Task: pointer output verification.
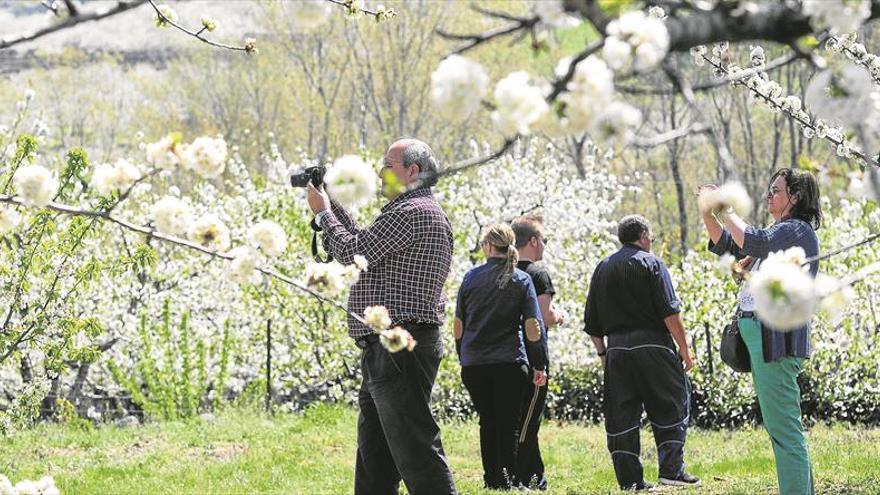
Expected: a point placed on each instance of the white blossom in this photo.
(326, 278)
(591, 85)
(168, 13)
(206, 156)
(269, 237)
(35, 184)
(360, 262)
(697, 52)
(171, 215)
(209, 23)
(519, 104)
(306, 15)
(647, 39)
(243, 265)
(458, 85)
(841, 16)
(210, 232)
(119, 176)
(397, 339)
(785, 296)
(377, 318)
(731, 194)
(617, 54)
(9, 219)
(351, 181)
(757, 56)
(29, 94)
(844, 97)
(617, 122)
(164, 153)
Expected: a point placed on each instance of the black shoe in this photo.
(638, 487)
(683, 479)
(539, 484)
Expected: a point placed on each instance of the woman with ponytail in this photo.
(495, 299)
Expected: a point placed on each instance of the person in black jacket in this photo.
(633, 305)
(530, 243)
(494, 300)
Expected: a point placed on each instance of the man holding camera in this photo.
(409, 250)
(633, 304)
(530, 243)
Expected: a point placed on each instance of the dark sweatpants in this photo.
(643, 371)
(397, 434)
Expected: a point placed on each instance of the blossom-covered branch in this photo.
(355, 7)
(167, 17)
(777, 63)
(74, 19)
(771, 93)
(154, 234)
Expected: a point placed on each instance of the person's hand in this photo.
(686, 360)
(602, 360)
(539, 378)
(318, 199)
(560, 316)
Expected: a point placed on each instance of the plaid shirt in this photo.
(409, 250)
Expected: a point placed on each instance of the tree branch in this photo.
(150, 233)
(475, 40)
(660, 139)
(249, 48)
(725, 157)
(72, 21)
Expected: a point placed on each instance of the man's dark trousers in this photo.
(529, 464)
(643, 370)
(397, 434)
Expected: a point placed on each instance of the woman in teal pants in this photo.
(776, 357)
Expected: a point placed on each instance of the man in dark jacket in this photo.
(632, 304)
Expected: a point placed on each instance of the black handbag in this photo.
(734, 352)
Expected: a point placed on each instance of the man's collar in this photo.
(415, 193)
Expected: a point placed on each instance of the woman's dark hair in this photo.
(803, 190)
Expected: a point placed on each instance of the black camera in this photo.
(315, 175)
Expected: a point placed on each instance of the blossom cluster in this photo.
(786, 296)
(205, 156)
(731, 194)
(118, 176)
(636, 41)
(351, 181)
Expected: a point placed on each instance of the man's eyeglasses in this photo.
(544, 240)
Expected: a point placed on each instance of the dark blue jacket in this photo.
(491, 317)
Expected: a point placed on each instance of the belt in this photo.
(366, 341)
(746, 314)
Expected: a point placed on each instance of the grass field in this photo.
(241, 452)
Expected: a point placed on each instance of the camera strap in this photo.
(315, 254)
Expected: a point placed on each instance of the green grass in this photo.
(243, 452)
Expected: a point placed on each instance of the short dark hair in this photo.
(526, 227)
(631, 227)
(803, 189)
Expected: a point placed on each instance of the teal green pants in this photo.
(780, 401)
